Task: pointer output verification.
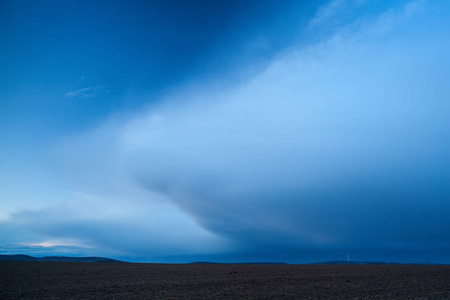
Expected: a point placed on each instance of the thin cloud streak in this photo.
(87, 92)
(326, 12)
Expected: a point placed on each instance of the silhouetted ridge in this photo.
(345, 262)
(239, 263)
(21, 257)
(18, 257)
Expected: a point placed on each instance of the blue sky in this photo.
(175, 131)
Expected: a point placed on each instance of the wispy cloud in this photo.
(87, 92)
(45, 249)
(334, 12)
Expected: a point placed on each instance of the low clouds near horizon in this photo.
(339, 144)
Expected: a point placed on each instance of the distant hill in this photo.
(18, 257)
(21, 257)
(345, 262)
(237, 263)
(336, 262)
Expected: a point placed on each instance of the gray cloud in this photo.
(343, 144)
(104, 227)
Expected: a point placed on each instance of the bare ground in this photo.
(78, 280)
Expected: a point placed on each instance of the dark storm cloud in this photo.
(340, 144)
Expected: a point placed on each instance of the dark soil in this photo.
(78, 280)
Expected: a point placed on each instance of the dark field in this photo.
(78, 280)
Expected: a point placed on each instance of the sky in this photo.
(229, 131)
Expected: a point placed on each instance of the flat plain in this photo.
(86, 280)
